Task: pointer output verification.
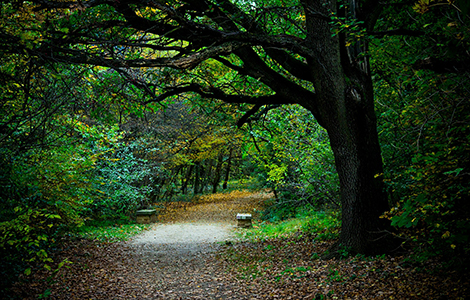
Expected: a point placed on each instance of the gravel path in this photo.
(186, 233)
(177, 260)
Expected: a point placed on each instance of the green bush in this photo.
(424, 129)
(120, 176)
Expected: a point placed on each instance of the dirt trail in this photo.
(176, 258)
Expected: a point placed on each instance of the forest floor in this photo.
(193, 253)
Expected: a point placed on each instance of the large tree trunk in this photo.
(345, 107)
(359, 166)
(354, 141)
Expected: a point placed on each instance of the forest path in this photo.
(179, 258)
(175, 259)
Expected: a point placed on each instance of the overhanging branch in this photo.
(255, 114)
(216, 93)
(248, 114)
(188, 61)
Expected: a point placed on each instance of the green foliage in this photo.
(119, 180)
(323, 224)
(64, 153)
(110, 230)
(25, 242)
(424, 130)
(296, 161)
(49, 153)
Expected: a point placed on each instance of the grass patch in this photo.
(250, 184)
(324, 225)
(110, 231)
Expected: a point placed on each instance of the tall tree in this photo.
(257, 54)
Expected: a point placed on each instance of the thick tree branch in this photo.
(210, 40)
(248, 114)
(43, 4)
(254, 114)
(185, 62)
(292, 65)
(201, 35)
(216, 93)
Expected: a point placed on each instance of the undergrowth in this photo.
(324, 225)
(110, 230)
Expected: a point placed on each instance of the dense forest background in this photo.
(80, 143)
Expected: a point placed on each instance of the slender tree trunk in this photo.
(216, 177)
(196, 178)
(172, 182)
(206, 175)
(227, 171)
(184, 186)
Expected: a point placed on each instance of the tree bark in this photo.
(345, 108)
(197, 179)
(184, 186)
(359, 166)
(218, 168)
(227, 171)
(206, 176)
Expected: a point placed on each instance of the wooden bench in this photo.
(146, 216)
(244, 220)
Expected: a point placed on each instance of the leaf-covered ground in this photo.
(282, 268)
(291, 269)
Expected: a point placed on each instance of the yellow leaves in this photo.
(221, 206)
(446, 235)
(276, 173)
(422, 6)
